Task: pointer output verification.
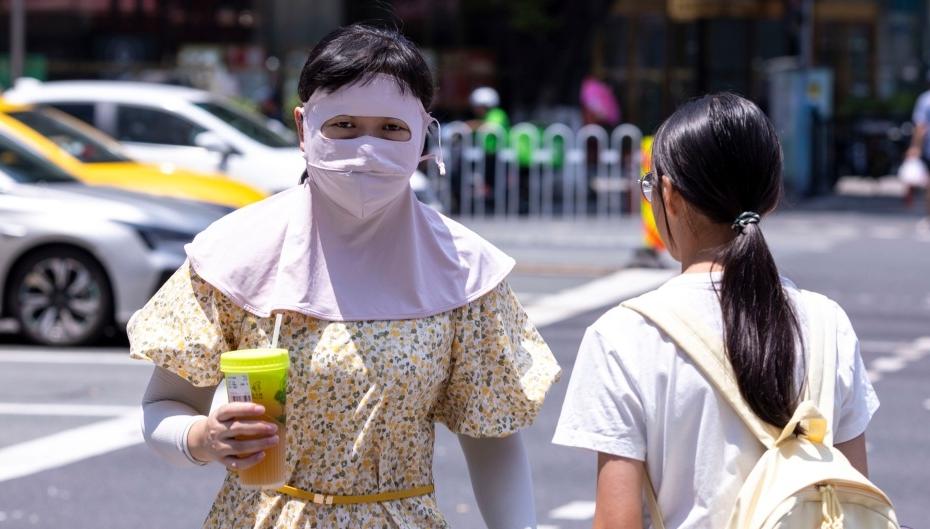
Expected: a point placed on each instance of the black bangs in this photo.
(358, 52)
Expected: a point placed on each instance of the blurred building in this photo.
(871, 55)
(241, 48)
(654, 53)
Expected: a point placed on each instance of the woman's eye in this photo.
(344, 124)
(393, 127)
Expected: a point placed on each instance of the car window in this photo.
(149, 125)
(26, 167)
(85, 112)
(67, 134)
(251, 125)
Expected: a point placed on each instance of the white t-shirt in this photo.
(634, 394)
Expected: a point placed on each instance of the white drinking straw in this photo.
(277, 331)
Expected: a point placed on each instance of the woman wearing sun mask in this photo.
(395, 318)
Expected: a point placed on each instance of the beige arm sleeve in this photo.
(170, 407)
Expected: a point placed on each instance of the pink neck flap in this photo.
(352, 243)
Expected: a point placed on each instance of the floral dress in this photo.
(362, 398)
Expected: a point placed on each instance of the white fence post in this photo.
(556, 130)
(635, 162)
(584, 182)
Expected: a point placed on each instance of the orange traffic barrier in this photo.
(651, 240)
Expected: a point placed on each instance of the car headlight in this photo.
(155, 237)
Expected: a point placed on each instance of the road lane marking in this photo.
(602, 292)
(73, 445)
(888, 364)
(70, 446)
(887, 232)
(65, 410)
(576, 510)
(881, 346)
(899, 358)
(25, 355)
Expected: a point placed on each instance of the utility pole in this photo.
(806, 34)
(17, 39)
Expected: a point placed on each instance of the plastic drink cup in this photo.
(260, 376)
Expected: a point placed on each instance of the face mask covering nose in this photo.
(364, 175)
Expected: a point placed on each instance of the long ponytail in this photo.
(722, 154)
(760, 327)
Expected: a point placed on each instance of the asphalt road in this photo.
(877, 266)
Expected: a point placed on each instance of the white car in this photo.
(75, 259)
(190, 128)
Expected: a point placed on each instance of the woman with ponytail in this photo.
(637, 399)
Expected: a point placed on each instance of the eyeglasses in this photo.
(647, 183)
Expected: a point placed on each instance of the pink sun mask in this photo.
(364, 174)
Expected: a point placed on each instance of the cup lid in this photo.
(245, 360)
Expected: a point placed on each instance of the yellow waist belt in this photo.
(328, 499)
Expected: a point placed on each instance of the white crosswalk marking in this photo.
(900, 357)
(576, 510)
(68, 447)
(602, 292)
(64, 410)
(37, 355)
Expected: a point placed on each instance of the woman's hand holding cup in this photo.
(233, 435)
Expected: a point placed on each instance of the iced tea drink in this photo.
(260, 376)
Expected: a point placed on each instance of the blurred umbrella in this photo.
(598, 98)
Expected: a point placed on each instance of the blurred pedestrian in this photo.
(598, 104)
(486, 112)
(395, 318)
(912, 175)
(485, 105)
(637, 399)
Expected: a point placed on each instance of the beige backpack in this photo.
(800, 482)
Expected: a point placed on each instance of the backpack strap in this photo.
(821, 373)
(707, 352)
(654, 512)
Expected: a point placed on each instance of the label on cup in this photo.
(238, 389)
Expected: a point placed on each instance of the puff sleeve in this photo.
(501, 368)
(185, 328)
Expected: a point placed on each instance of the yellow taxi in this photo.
(96, 159)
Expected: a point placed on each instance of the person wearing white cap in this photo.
(485, 105)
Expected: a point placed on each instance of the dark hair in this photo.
(722, 155)
(356, 53)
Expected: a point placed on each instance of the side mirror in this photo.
(211, 142)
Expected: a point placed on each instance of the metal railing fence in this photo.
(538, 172)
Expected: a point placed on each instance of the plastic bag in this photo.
(913, 172)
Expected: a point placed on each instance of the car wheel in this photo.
(60, 296)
